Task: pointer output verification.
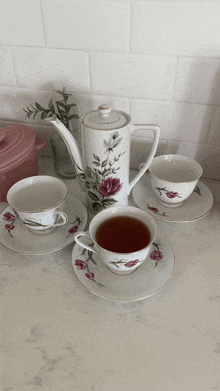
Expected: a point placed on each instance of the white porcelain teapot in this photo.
(103, 165)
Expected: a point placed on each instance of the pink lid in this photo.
(15, 142)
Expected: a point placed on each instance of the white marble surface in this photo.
(58, 336)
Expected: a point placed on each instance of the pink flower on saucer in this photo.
(9, 227)
(90, 276)
(73, 229)
(156, 255)
(172, 194)
(155, 210)
(8, 216)
(81, 265)
(132, 263)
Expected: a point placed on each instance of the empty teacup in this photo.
(173, 178)
(121, 236)
(39, 202)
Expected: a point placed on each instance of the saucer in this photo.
(16, 236)
(198, 204)
(145, 281)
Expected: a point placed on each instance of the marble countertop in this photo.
(56, 335)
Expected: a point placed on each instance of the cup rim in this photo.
(113, 212)
(34, 179)
(162, 158)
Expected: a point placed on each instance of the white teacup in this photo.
(121, 252)
(173, 178)
(39, 202)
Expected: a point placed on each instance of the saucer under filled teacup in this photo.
(121, 236)
(173, 178)
(39, 201)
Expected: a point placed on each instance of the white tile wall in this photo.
(157, 60)
(86, 25)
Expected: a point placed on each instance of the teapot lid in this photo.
(15, 142)
(105, 119)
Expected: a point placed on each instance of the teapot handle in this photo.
(144, 167)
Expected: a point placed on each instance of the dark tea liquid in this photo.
(123, 234)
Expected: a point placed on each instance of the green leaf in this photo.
(81, 176)
(96, 157)
(93, 196)
(73, 116)
(108, 201)
(35, 114)
(96, 163)
(39, 107)
(43, 115)
(58, 102)
(97, 206)
(51, 106)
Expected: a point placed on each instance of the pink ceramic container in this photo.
(18, 155)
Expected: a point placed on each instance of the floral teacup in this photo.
(173, 178)
(120, 262)
(39, 201)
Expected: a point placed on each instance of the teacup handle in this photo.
(82, 233)
(144, 167)
(63, 216)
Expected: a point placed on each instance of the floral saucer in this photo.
(15, 235)
(146, 280)
(193, 208)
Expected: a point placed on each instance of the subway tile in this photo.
(130, 75)
(7, 74)
(178, 121)
(22, 23)
(180, 28)
(205, 154)
(51, 69)
(198, 80)
(214, 130)
(83, 25)
(140, 149)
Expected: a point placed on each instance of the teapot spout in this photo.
(70, 142)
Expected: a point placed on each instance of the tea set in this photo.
(42, 217)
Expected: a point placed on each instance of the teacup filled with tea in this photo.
(121, 236)
(39, 202)
(173, 178)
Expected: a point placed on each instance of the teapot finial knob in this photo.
(104, 110)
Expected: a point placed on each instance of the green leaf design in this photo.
(81, 176)
(93, 196)
(96, 157)
(197, 190)
(108, 201)
(96, 163)
(97, 206)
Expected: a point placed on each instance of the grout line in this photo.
(42, 23)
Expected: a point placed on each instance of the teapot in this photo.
(103, 164)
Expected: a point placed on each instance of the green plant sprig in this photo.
(60, 108)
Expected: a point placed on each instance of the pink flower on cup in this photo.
(90, 276)
(9, 227)
(132, 263)
(81, 265)
(73, 229)
(155, 210)
(8, 216)
(172, 194)
(110, 186)
(156, 255)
